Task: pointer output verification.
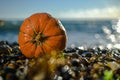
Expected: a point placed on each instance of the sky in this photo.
(20, 9)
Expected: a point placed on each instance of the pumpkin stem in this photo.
(38, 37)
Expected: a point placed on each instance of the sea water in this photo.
(79, 32)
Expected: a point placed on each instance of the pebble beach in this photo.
(71, 64)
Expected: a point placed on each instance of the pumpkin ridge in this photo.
(41, 45)
(46, 26)
(24, 47)
(35, 49)
(27, 42)
(25, 33)
(32, 26)
(56, 35)
(53, 28)
(49, 45)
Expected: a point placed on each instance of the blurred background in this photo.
(87, 22)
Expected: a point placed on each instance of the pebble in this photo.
(78, 64)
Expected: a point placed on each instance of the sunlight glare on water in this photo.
(117, 27)
(106, 30)
(113, 35)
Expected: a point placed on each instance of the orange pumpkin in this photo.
(41, 33)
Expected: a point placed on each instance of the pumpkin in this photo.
(41, 33)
